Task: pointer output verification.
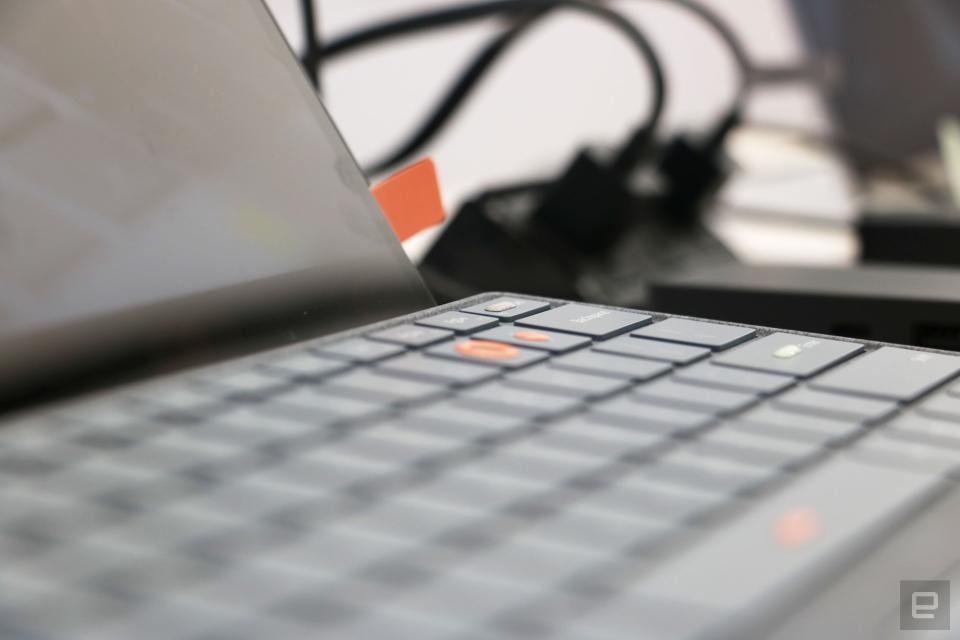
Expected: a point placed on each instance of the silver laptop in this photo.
(204, 437)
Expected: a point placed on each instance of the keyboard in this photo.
(500, 467)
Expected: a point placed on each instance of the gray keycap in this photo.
(756, 448)
(654, 500)
(417, 366)
(602, 364)
(501, 397)
(913, 426)
(954, 389)
(790, 354)
(695, 332)
(595, 531)
(896, 449)
(709, 472)
(652, 350)
(314, 407)
(375, 387)
(893, 373)
(825, 517)
(570, 383)
(580, 434)
(798, 426)
(446, 417)
(359, 350)
(512, 358)
(508, 308)
(594, 322)
(711, 375)
(462, 323)
(534, 339)
(685, 396)
(834, 405)
(943, 406)
(304, 365)
(410, 335)
(630, 411)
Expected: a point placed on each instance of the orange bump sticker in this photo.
(797, 527)
(531, 336)
(486, 350)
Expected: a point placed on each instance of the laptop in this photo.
(232, 411)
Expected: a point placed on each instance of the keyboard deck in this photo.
(501, 467)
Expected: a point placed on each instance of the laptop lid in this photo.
(169, 178)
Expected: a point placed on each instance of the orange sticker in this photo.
(531, 336)
(486, 350)
(797, 527)
(410, 199)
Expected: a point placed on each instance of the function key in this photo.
(508, 308)
(893, 373)
(359, 350)
(593, 322)
(543, 340)
(695, 332)
(652, 350)
(411, 336)
(790, 354)
(462, 323)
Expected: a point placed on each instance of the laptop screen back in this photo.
(156, 151)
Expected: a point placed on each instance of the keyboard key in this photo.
(314, 407)
(375, 387)
(545, 340)
(630, 411)
(896, 449)
(776, 423)
(698, 333)
(709, 473)
(462, 323)
(920, 428)
(596, 531)
(636, 493)
(834, 405)
(359, 350)
(508, 308)
(942, 406)
(685, 396)
(826, 517)
(711, 375)
(490, 353)
(582, 435)
(417, 366)
(790, 354)
(594, 322)
(652, 350)
(410, 335)
(304, 366)
(892, 373)
(503, 398)
(453, 420)
(552, 380)
(756, 448)
(613, 366)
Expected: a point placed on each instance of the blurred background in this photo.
(841, 141)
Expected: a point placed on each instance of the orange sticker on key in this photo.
(486, 350)
(531, 336)
(797, 527)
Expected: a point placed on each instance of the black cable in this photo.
(471, 12)
(310, 58)
(473, 73)
(455, 96)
